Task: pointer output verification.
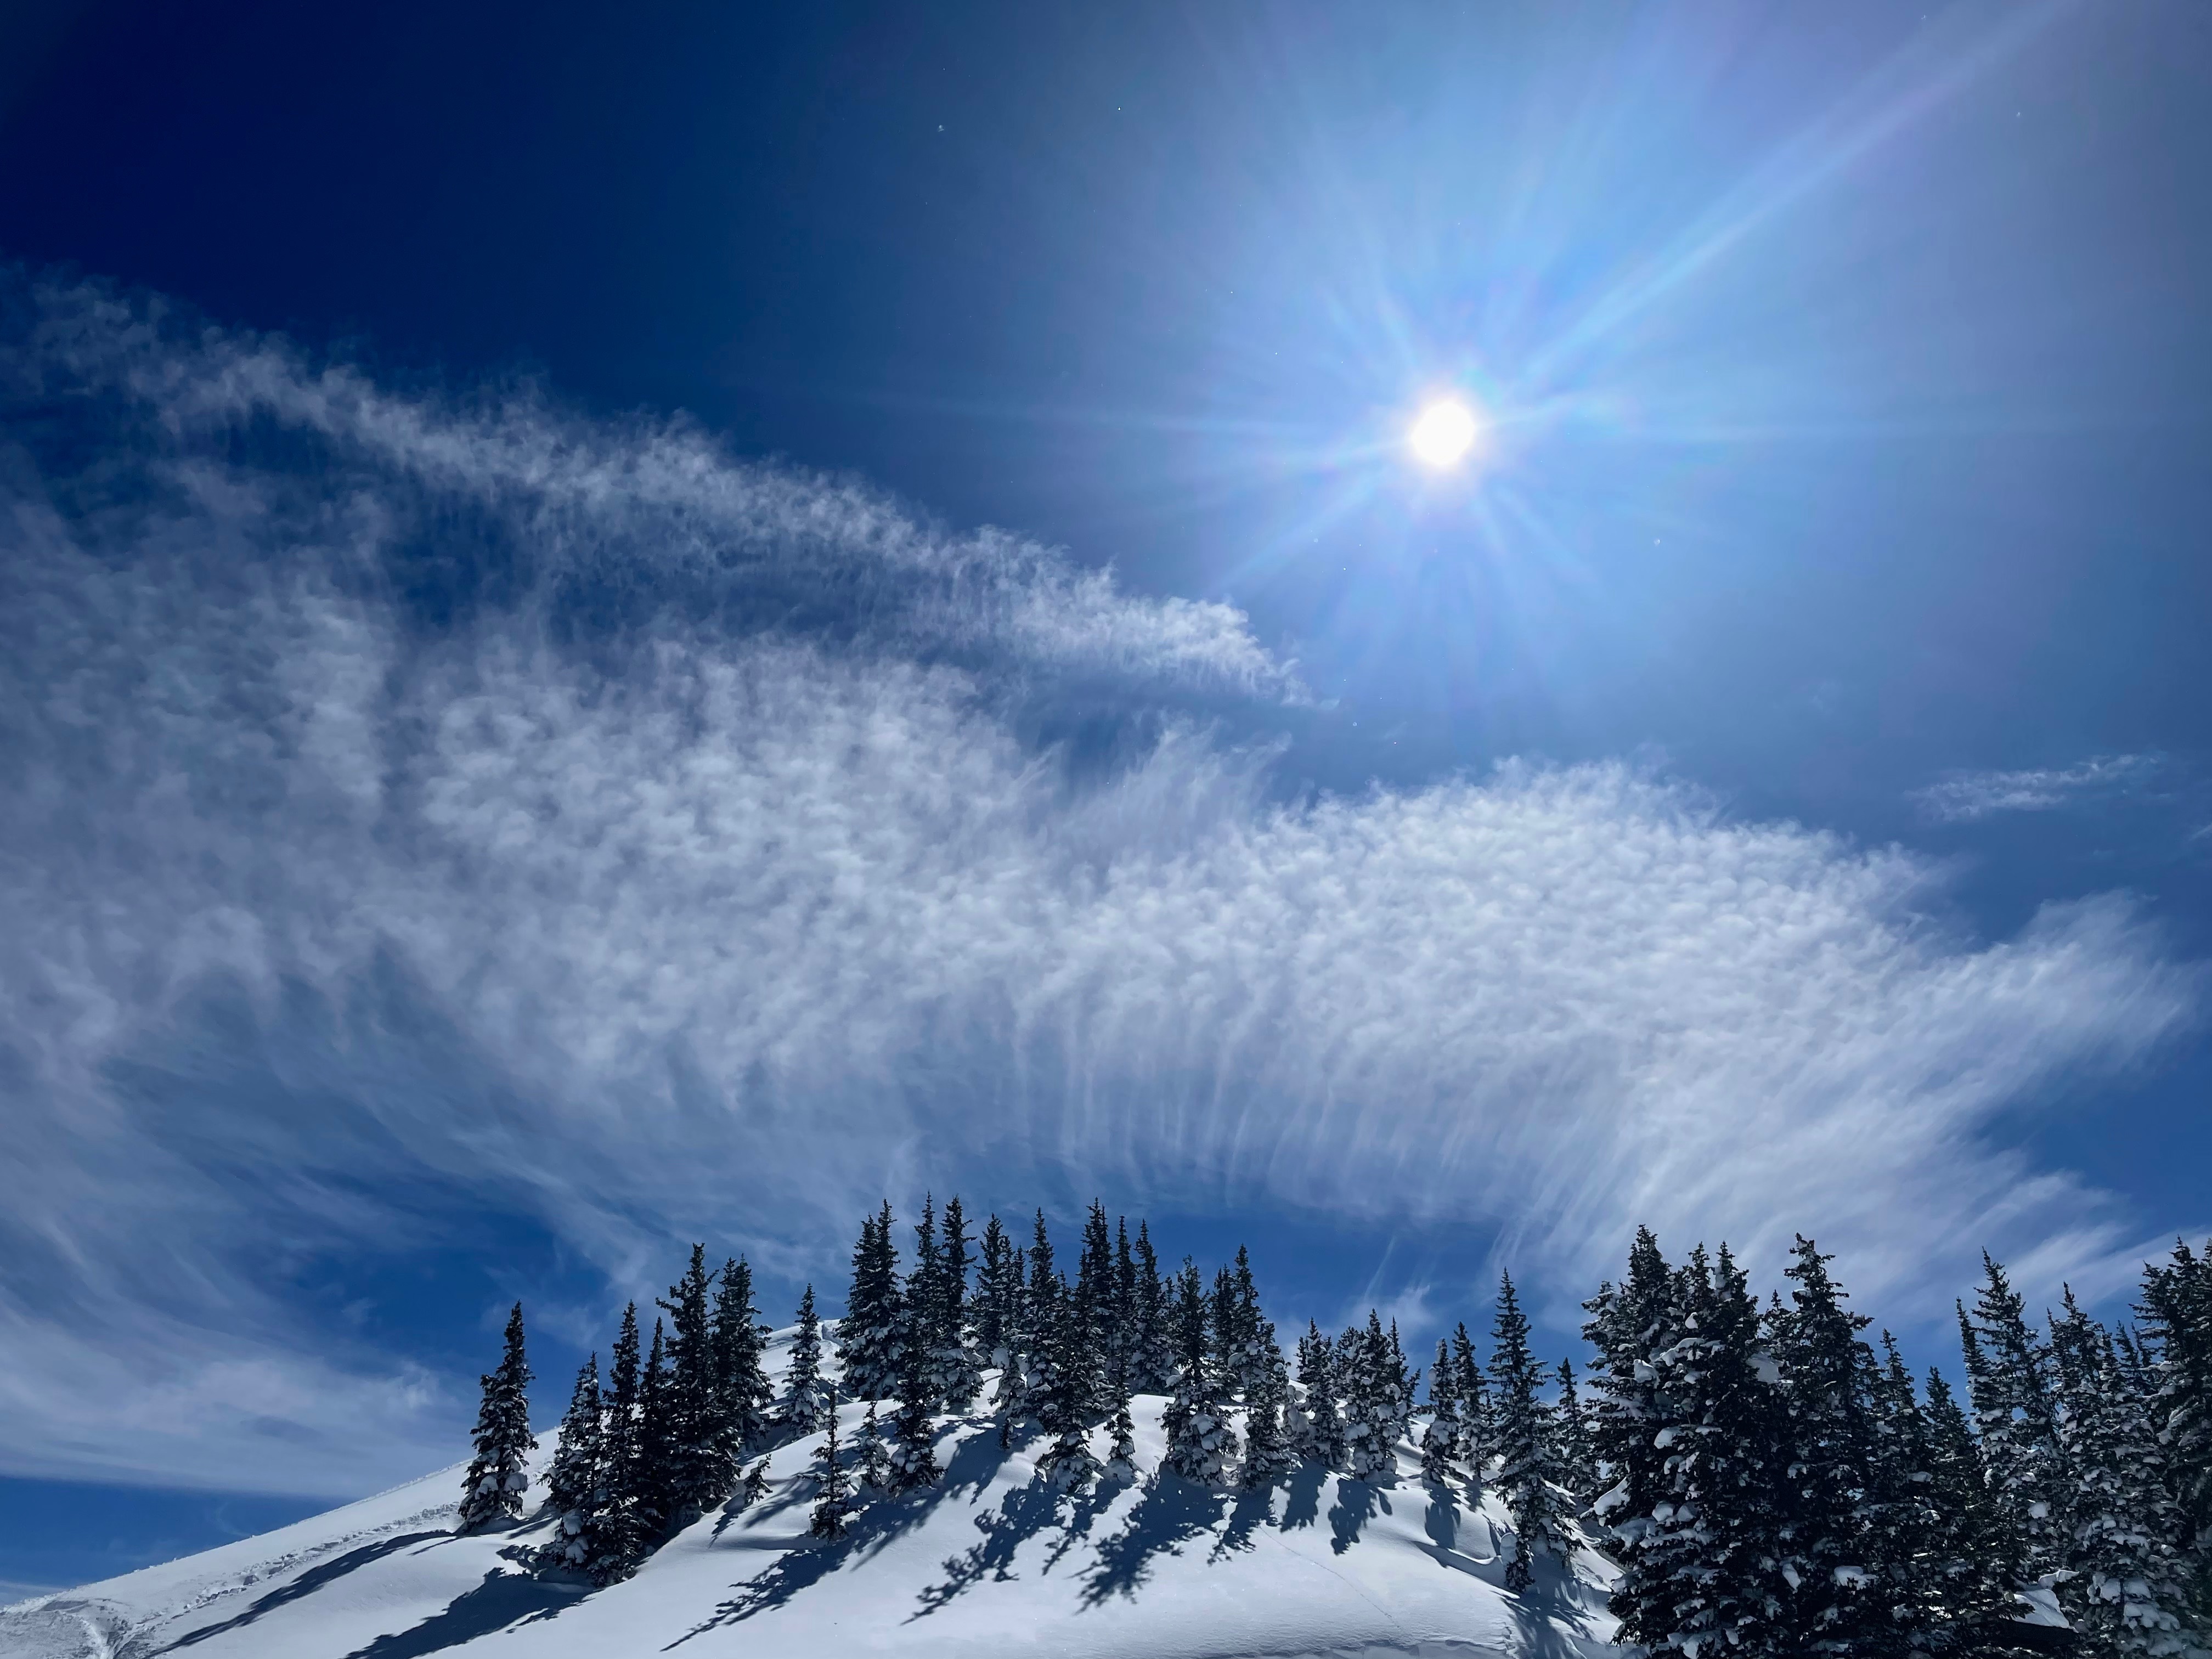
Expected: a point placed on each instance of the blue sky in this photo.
(523, 748)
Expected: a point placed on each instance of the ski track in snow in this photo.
(987, 1563)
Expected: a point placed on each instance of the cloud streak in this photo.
(1969, 797)
(412, 796)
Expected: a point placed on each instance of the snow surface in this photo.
(989, 1562)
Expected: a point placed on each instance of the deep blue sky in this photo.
(1848, 370)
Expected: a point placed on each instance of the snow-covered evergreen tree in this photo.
(871, 1335)
(575, 1483)
(1577, 1456)
(956, 1377)
(1201, 1442)
(833, 1502)
(1472, 1391)
(697, 1471)
(875, 1467)
(1525, 1472)
(609, 1542)
(805, 1396)
(1267, 1395)
(2128, 1586)
(1153, 1356)
(1120, 1468)
(914, 1431)
(1631, 1326)
(744, 1397)
(1972, 1554)
(2008, 1377)
(1064, 1395)
(498, 1474)
(651, 1496)
(1440, 1441)
(2176, 1311)
(1372, 1373)
(1318, 1427)
(998, 1295)
(1087, 1338)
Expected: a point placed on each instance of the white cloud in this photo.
(699, 924)
(1967, 796)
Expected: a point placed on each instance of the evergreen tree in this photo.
(1087, 1338)
(695, 1473)
(1577, 1458)
(2127, 1585)
(1155, 1359)
(743, 1394)
(1440, 1444)
(1065, 1394)
(498, 1475)
(1631, 1326)
(958, 1379)
(998, 1295)
(1317, 1430)
(610, 1541)
(2008, 1374)
(1473, 1393)
(1540, 1526)
(1052, 1393)
(578, 1455)
(1373, 1383)
(833, 1504)
(1199, 1440)
(1121, 1356)
(875, 1468)
(806, 1397)
(1826, 1374)
(2176, 1311)
(1121, 1457)
(652, 1496)
(1706, 1567)
(1266, 1395)
(873, 1332)
(1972, 1554)
(913, 1450)
(925, 1314)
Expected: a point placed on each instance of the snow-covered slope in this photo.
(989, 1562)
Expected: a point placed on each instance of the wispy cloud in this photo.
(685, 863)
(1965, 797)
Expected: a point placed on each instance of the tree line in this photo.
(1765, 1481)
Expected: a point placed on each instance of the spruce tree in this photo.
(652, 1496)
(1094, 1296)
(611, 1539)
(1577, 1457)
(956, 1379)
(806, 1397)
(2008, 1374)
(1372, 1379)
(498, 1474)
(1318, 1430)
(575, 1484)
(925, 1310)
(1065, 1394)
(1122, 1338)
(913, 1449)
(1120, 1468)
(833, 1504)
(2127, 1585)
(1440, 1444)
(875, 1467)
(1473, 1393)
(1631, 1326)
(1972, 1554)
(1540, 1526)
(872, 1333)
(2176, 1311)
(743, 1394)
(697, 1474)
(1050, 1394)
(1267, 1396)
(1154, 1357)
(1199, 1440)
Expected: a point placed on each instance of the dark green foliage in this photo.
(1440, 1442)
(1526, 1473)
(833, 1502)
(1317, 1430)
(698, 1468)
(492, 1489)
(742, 1392)
(806, 1397)
(873, 1334)
(1577, 1458)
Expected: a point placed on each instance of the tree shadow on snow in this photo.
(1021, 1515)
(1172, 1510)
(306, 1584)
(1357, 1501)
(1254, 1506)
(1304, 1506)
(1554, 1623)
(504, 1599)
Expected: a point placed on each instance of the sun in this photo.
(1443, 433)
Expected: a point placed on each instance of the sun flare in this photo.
(1443, 433)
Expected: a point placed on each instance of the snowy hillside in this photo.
(990, 1561)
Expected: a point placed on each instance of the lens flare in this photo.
(1443, 433)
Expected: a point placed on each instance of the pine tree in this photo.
(1631, 1326)
(1120, 1358)
(1043, 1336)
(1577, 1458)
(743, 1394)
(998, 1295)
(498, 1475)
(611, 1540)
(833, 1505)
(875, 1468)
(1267, 1438)
(804, 1396)
(1826, 1372)
(1972, 1554)
(578, 1455)
(653, 1497)
(2127, 1588)
(1121, 1457)
(925, 1310)
(1088, 1337)
(1065, 1394)
(1199, 1440)
(1540, 1527)
(913, 1451)
(1473, 1393)
(2008, 1374)
(1372, 1381)
(2176, 1311)
(1440, 1444)
(873, 1332)
(956, 1377)
(1317, 1430)
(1154, 1358)
(697, 1474)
